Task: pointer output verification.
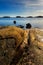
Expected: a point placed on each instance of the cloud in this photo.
(25, 3)
(28, 3)
(33, 13)
(24, 7)
(32, 7)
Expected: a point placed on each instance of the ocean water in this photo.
(35, 22)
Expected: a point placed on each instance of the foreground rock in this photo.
(36, 46)
(21, 47)
(11, 44)
(33, 54)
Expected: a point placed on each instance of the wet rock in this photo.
(14, 22)
(21, 26)
(28, 25)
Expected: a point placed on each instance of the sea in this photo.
(35, 22)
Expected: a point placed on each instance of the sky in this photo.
(21, 8)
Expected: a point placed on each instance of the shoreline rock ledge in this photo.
(21, 47)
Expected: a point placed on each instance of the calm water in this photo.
(35, 22)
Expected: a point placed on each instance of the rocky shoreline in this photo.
(21, 47)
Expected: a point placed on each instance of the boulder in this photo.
(14, 22)
(28, 25)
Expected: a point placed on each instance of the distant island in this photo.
(39, 17)
(22, 17)
(35, 17)
(19, 17)
(6, 17)
(29, 17)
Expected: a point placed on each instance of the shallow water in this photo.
(35, 22)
